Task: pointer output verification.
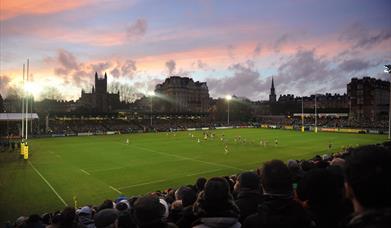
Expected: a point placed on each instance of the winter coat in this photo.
(380, 218)
(248, 201)
(278, 212)
(216, 214)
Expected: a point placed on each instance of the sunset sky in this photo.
(237, 46)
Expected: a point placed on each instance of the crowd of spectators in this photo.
(347, 189)
(99, 126)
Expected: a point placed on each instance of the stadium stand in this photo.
(346, 189)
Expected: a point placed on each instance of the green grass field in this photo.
(93, 168)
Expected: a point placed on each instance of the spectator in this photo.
(68, 218)
(185, 215)
(85, 217)
(249, 194)
(296, 172)
(34, 221)
(368, 185)
(20, 222)
(125, 220)
(106, 218)
(278, 209)
(107, 204)
(215, 206)
(184, 198)
(338, 162)
(322, 191)
(148, 212)
(200, 183)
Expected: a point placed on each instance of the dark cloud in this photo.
(128, 68)
(70, 69)
(200, 65)
(137, 29)
(245, 81)
(81, 74)
(306, 73)
(67, 62)
(354, 65)
(361, 37)
(171, 65)
(101, 67)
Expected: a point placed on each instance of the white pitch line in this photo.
(141, 184)
(116, 190)
(47, 182)
(191, 159)
(85, 172)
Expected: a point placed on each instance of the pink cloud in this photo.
(14, 8)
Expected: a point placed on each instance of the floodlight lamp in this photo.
(30, 87)
(228, 97)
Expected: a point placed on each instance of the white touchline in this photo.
(85, 172)
(47, 182)
(116, 190)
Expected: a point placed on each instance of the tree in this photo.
(127, 92)
(51, 93)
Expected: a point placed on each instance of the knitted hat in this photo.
(105, 217)
(249, 180)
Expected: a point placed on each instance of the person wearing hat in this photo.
(106, 218)
(85, 215)
(215, 206)
(149, 212)
(249, 194)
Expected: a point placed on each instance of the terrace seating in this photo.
(306, 193)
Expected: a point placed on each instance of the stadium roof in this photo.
(17, 116)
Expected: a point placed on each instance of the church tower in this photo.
(100, 84)
(272, 96)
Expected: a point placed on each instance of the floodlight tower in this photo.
(151, 95)
(388, 70)
(302, 114)
(316, 116)
(228, 98)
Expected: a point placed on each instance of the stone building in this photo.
(369, 99)
(99, 100)
(183, 95)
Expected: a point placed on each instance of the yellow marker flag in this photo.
(75, 201)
